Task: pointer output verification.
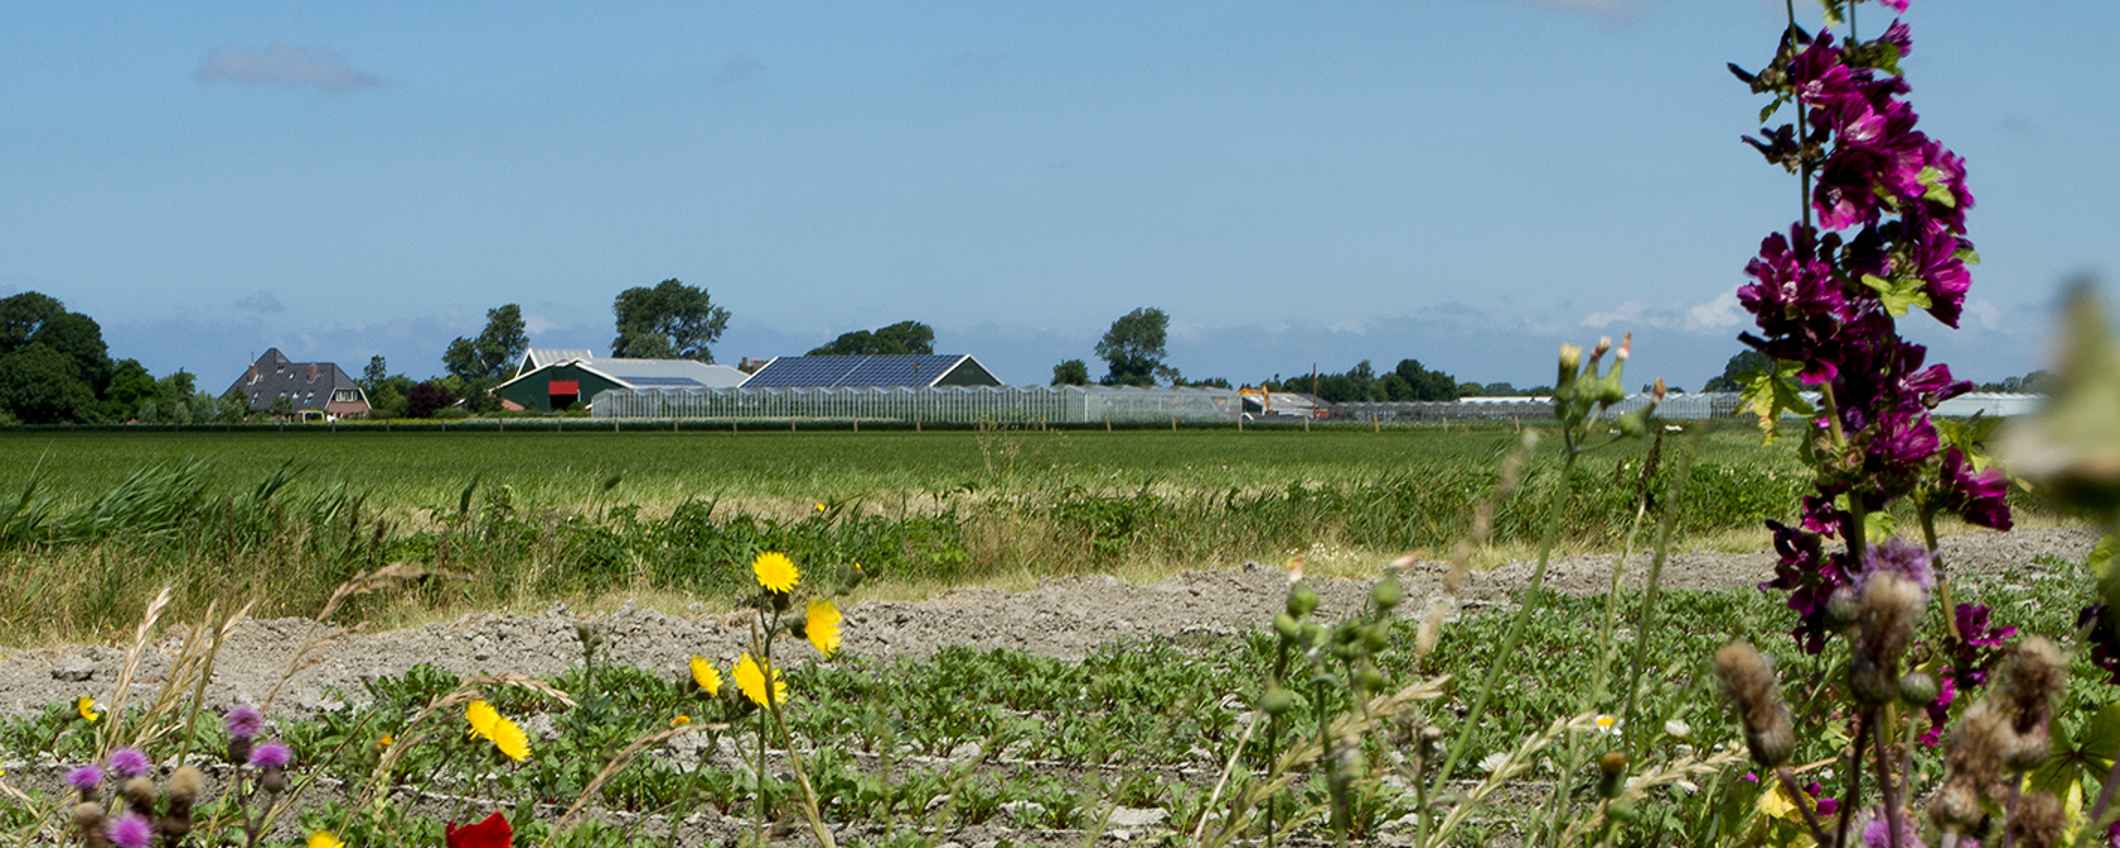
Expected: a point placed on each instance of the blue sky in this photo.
(1468, 182)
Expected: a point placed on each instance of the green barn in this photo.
(550, 380)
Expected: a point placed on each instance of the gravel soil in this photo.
(1062, 618)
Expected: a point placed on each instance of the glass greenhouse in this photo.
(940, 405)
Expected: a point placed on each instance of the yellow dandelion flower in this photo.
(751, 678)
(86, 706)
(776, 572)
(509, 738)
(324, 839)
(482, 717)
(822, 626)
(706, 676)
(820, 506)
(385, 741)
(681, 720)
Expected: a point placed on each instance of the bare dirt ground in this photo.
(1061, 618)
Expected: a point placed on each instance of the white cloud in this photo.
(261, 302)
(285, 65)
(1718, 313)
(1981, 315)
(1714, 315)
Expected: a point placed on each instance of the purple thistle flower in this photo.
(1876, 831)
(1897, 6)
(1901, 557)
(85, 778)
(129, 762)
(271, 755)
(131, 831)
(244, 721)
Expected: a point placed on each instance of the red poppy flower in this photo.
(494, 832)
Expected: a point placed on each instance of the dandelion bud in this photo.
(1917, 689)
(1289, 628)
(185, 785)
(1611, 768)
(1387, 593)
(1748, 680)
(139, 794)
(1301, 600)
(1277, 701)
(799, 628)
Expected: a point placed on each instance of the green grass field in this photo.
(428, 469)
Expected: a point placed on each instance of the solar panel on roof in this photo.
(662, 381)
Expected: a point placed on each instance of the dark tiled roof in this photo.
(306, 385)
(916, 370)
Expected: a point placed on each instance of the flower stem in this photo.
(1893, 816)
(1515, 634)
(1803, 198)
(2105, 797)
(1853, 800)
(1645, 628)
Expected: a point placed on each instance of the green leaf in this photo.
(1968, 256)
(1898, 295)
(1939, 187)
(1769, 110)
(1832, 9)
(1879, 525)
(1770, 392)
(2101, 738)
(2101, 559)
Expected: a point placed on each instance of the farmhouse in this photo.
(558, 378)
(298, 387)
(918, 371)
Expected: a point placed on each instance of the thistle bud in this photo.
(1612, 769)
(2037, 822)
(1289, 628)
(1842, 608)
(1375, 637)
(1633, 423)
(1748, 679)
(1277, 701)
(1890, 605)
(185, 785)
(1301, 600)
(239, 750)
(1387, 593)
(1917, 689)
(1368, 678)
(88, 819)
(1657, 391)
(1313, 633)
(1604, 345)
(273, 780)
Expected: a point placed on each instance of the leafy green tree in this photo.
(372, 377)
(900, 338)
(130, 385)
(1073, 372)
(1133, 347)
(80, 338)
(489, 356)
(1738, 371)
(1421, 383)
(231, 407)
(669, 321)
(40, 385)
(21, 315)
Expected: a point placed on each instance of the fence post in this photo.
(1306, 423)
(1240, 422)
(857, 423)
(1376, 423)
(1107, 423)
(1174, 423)
(916, 424)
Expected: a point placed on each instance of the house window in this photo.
(343, 396)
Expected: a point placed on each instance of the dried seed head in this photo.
(1979, 742)
(185, 784)
(139, 794)
(1955, 807)
(2031, 681)
(2037, 821)
(1431, 629)
(1748, 679)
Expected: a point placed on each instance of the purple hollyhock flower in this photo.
(1934, 384)
(244, 721)
(1939, 710)
(1897, 6)
(1822, 516)
(129, 762)
(1810, 576)
(1938, 258)
(1825, 804)
(1981, 498)
(2104, 639)
(2112, 835)
(1898, 34)
(1901, 557)
(271, 755)
(1974, 626)
(1904, 437)
(1980, 645)
(131, 831)
(85, 778)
